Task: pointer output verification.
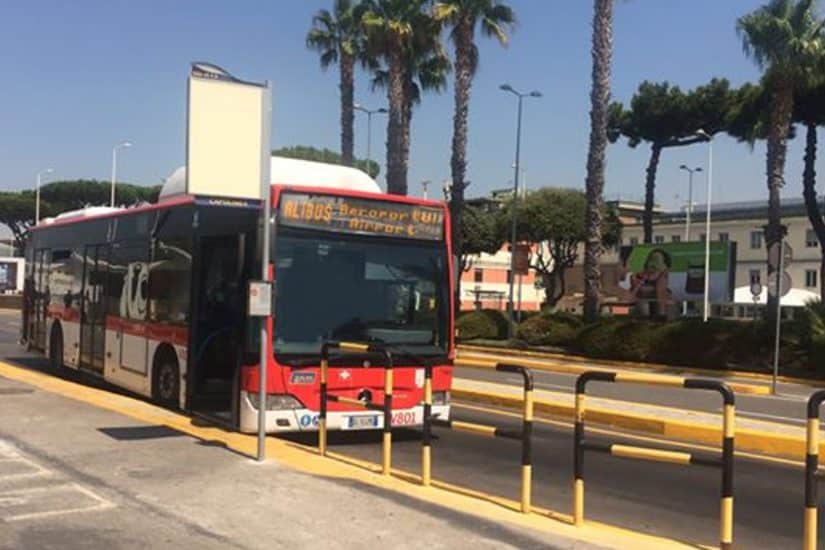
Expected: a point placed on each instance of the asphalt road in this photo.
(787, 407)
(663, 499)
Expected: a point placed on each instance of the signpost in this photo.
(228, 134)
(779, 286)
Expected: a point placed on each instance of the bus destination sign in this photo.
(361, 216)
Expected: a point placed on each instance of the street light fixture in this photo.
(37, 193)
(369, 112)
(510, 306)
(709, 139)
(425, 184)
(121, 145)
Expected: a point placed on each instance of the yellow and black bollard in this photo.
(811, 467)
(322, 414)
(386, 447)
(426, 436)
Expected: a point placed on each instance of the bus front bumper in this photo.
(300, 420)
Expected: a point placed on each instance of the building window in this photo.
(724, 237)
(810, 278)
(703, 237)
(659, 239)
(755, 276)
(676, 238)
(509, 276)
(756, 239)
(634, 241)
(479, 275)
(810, 238)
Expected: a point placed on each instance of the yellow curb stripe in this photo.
(575, 370)
(649, 366)
(307, 460)
(774, 444)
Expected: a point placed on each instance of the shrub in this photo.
(628, 340)
(488, 324)
(549, 329)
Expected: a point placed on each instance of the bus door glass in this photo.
(40, 297)
(93, 307)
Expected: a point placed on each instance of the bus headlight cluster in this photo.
(275, 401)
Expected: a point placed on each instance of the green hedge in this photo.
(487, 324)
(549, 329)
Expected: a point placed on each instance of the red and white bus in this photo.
(153, 298)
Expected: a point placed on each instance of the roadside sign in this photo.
(260, 298)
(521, 262)
(785, 283)
(787, 256)
(756, 290)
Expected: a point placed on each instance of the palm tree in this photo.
(601, 52)
(494, 19)
(393, 29)
(809, 110)
(337, 37)
(785, 39)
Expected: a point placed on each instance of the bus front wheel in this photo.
(166, 381)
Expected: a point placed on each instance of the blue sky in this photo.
(80, 76)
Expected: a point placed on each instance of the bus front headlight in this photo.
(276, 401)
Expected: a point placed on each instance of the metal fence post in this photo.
(322, 415)
(811, 467)
(386, 447)
(426, 436)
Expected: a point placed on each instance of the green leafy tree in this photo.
(601, 52)
(394, 29)
(665, 116)
(480, 234)
(552, 221)
(494, 19)
(785, 39)
(17, 208)
(809, 111)
(337, 37)
(305, 152)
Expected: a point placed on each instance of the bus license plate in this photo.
(360, 422)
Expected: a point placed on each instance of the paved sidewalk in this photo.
(76, 476)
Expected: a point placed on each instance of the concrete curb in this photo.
(767, 443)
(636, 365)
(478, 362)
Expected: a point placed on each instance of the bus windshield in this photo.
(364, 289)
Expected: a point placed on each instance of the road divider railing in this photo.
(385, 407)
(525, 435)
(812, 472)
(724, 461)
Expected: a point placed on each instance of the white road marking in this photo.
(37, 469)
(100, 503)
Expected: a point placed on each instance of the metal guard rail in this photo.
(524, 435)
(725, 461)
(386, 406)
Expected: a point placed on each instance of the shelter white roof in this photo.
(796, 297)
(294, 172)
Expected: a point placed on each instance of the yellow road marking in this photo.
(308, 460)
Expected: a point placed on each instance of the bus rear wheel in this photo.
(56, 347)
(166, 382)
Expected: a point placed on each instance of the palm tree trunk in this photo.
(650, 187)
(396, 172)
(809, 194)
(458, 160)
(347, 69)
(780, 122)
(601, 52)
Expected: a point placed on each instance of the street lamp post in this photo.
(709, 138)
(425, 184)
(37, 193)
(121, 145)
(689, 210)
(520, 96)
(369, 112)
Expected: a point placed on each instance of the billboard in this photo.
(227, 140)
(675, 272)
